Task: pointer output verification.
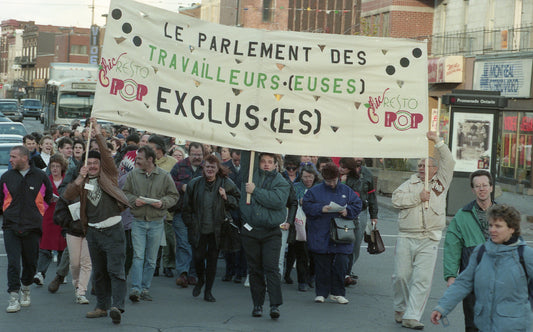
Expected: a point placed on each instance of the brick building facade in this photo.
(397, 18)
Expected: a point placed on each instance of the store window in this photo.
(515, 146)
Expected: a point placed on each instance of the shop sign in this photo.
(445, 69)
(38, 83)
(475, 101)
(511, 77)
(93, 51)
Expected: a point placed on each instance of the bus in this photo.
(69, 93)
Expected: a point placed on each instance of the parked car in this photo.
(11, 138)
(13, 128)
(11, 110)
(5, 149)
(31, 107)
(4, 118)
(11, 100)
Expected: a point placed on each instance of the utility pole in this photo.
(92, 13)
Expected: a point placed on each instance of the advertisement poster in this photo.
(471, 145)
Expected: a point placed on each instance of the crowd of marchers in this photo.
(117, 207)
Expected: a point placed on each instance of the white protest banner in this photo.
(274, 91)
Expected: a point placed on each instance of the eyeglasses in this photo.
(481, 186)
(424, 165)
(291, 168)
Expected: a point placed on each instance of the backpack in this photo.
(522, 262)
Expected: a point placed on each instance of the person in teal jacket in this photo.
(468, 228)
(497, 278)
(261, 232)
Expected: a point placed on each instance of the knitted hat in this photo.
(94, 154)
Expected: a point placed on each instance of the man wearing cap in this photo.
(101, 202)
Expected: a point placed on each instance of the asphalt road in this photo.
(174, 309)
(33, 125)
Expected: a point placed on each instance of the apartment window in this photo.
(78, 49)
(385, 32)
(267, 10)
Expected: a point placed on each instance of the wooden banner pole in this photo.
(250, 175)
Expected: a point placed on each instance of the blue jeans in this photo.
(183, 247)
(145, 238)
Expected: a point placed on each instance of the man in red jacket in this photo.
(26, 192)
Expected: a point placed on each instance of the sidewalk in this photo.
(523, 203)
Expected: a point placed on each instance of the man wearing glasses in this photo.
(182, 173)
(468, 228)
(421, 219)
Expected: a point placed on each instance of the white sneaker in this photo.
(81, 299)
(38, 279)
(320, 299)
(14, 304)
(339, 299)
(25, 299)
(65, 280)
(247, 281)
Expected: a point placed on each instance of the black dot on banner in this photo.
(404, 62)
(284, 83)
(137, 41)
(390, 70)
(116, 14)
(417, 53)
(126, 27)
(265, 119)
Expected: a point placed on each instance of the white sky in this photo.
(70, 12)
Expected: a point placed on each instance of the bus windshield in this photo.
(74, 105)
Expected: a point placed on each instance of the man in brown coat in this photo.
(101, 202)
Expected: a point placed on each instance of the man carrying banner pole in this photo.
(261, 233)
(101, 202)
(420, 230)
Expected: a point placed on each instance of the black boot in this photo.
(198, 287)
(209, 297)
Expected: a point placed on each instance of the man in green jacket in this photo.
(261, 233)
(468, 228)
(150, 191)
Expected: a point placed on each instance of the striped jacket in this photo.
(24, 199)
